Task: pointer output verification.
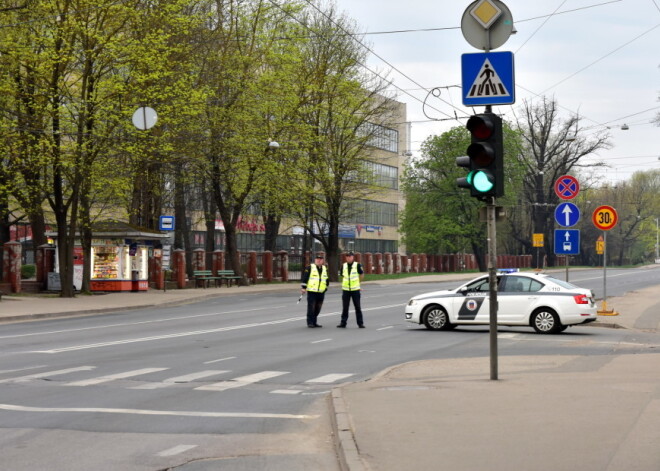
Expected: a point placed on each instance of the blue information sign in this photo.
(166, 223)
(567, 214)
(488, 78)
(567, 241)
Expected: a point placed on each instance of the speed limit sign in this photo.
(605, 217)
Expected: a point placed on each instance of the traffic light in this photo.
(485, 158)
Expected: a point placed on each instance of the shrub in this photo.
(28, 271)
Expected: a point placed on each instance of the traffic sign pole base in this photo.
(604, 311)
(608, 313)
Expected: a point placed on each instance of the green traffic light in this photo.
(481, 181)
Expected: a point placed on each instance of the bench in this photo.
(204, 277)
(228, 276)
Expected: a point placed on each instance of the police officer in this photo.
(351, 273)
(315, 282)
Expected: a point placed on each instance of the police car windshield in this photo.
(562, 283)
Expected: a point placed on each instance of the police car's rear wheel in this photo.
(546, 321)
(436, 318)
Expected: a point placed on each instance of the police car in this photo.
(547, 304)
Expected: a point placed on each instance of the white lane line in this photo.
(286, 391)
(177, 450)
(242, 415)
(195, 332)
(331, 378)
(220, 359)
(321, 341)
(46, 374)
(385, 328)
(22, 369)
(124, 324)
(105, 379)
(181, 379)
(241, 381)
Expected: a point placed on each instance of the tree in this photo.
(440, 217)
(343, 110)
(636, 202)
(552, 147)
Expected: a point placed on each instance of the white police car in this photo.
(547, 304)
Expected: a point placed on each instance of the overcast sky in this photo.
(598, 58)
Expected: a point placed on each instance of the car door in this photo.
(471, 304)
(517, 298)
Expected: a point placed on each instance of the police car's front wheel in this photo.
(546, 321)
(436, 318)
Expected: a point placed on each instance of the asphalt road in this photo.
(237, 382)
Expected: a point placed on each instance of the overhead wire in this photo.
(384, 60)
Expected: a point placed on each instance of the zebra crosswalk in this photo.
(203, 380)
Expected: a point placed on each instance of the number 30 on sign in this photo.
(605, 218)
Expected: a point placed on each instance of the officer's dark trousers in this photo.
(314, 303)
(346, 297)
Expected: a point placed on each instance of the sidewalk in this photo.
(592, 413)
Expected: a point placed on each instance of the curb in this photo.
(345, 444)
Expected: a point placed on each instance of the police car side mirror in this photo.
(463, 291)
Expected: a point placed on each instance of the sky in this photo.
(599, 59)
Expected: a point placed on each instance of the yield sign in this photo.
(567, 214)
(567, 187)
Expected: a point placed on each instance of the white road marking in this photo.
(286, 391)
(181, 379)
(385, 328)
(105, 379)
(23, 369)
(46, 374)
(241, 381)
(177, 450)
(242, 415)
(331, 378)
(321, 341)
(124, 324)
(220, 359)
(195, 332)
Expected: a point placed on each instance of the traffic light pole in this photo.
(492, 279)
(492, 284)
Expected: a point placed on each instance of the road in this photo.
(232, 383)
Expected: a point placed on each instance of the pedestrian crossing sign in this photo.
(488, 78)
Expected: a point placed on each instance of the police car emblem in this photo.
(471, 304)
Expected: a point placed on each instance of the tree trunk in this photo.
(272, 224)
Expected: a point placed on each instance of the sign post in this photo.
(605, 218)
(567, 215)
(487, 24)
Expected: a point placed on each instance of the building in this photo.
(375, 224)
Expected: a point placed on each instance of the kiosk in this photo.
(119, 258)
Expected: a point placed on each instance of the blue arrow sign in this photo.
(488, 78)
(567, 214)
(567, 241)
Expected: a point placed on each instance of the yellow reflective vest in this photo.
(350, 281)
(318, 282)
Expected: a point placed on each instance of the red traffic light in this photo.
(480, 126)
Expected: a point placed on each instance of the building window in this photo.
(371, 212)
(385, 176)
(381, 137)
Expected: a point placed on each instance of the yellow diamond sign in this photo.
(486, 12)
